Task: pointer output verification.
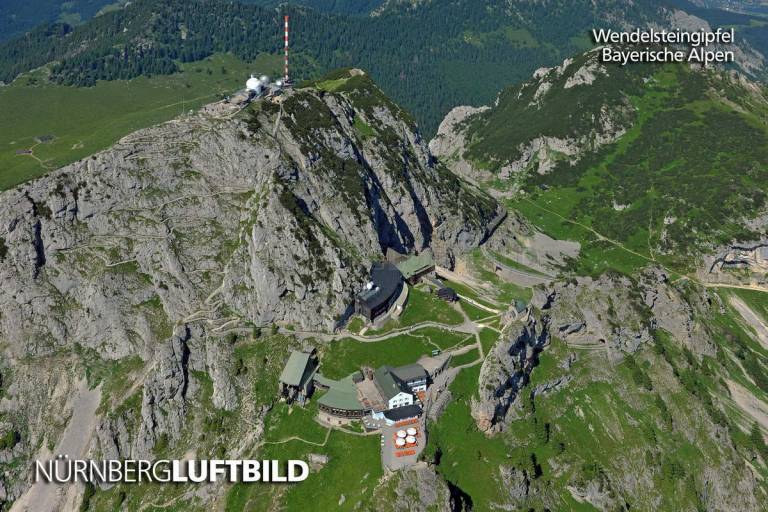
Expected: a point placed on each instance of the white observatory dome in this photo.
(253, 84)
(264, 79)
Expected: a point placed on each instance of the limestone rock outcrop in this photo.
(418, 488)
(155, 251)
(506, 371)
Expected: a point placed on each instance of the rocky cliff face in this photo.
(180, 234)
(749, 258)
(586, 311)
(542, 152)
(619, 313)
(418, 489)
(273, 219)
(613, 314)
(590, 351)
(506, 371)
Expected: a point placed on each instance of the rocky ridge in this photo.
(540, 154)
(612, 313)
(590, 331)
(750, 257)
(186, 233)
(418, 488)
(506, 370)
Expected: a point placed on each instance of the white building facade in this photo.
(400, 400)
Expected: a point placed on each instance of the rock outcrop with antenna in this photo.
(183, 234)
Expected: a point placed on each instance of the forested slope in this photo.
(429, 57)
(650, 371)
(668, 161)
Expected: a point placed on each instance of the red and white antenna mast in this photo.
(285, 78)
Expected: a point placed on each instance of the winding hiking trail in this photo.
(467, 327)
(599, 235)
(302, 440)
(650, 259)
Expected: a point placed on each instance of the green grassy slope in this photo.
(83, 121)
(691, 167)
(429, 56)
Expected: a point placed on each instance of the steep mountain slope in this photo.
(667, 161)
(629, 385)
(617, 394)
(19, 16)
(149, 258)
(151, 293)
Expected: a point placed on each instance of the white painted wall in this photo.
(400, 400)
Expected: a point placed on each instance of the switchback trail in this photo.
(618, 244)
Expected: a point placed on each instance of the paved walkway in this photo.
(455, 276)
(479, 304)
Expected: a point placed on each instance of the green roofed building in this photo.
(297, 378)
(417, 266)
(341, 398)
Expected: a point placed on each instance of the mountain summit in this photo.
(155, 248)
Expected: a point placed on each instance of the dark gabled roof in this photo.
(388, 384)
(403, 413)
(447, 293)
(409, 373)
(385, 278)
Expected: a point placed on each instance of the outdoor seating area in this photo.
(405, 440)
(402, 443)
